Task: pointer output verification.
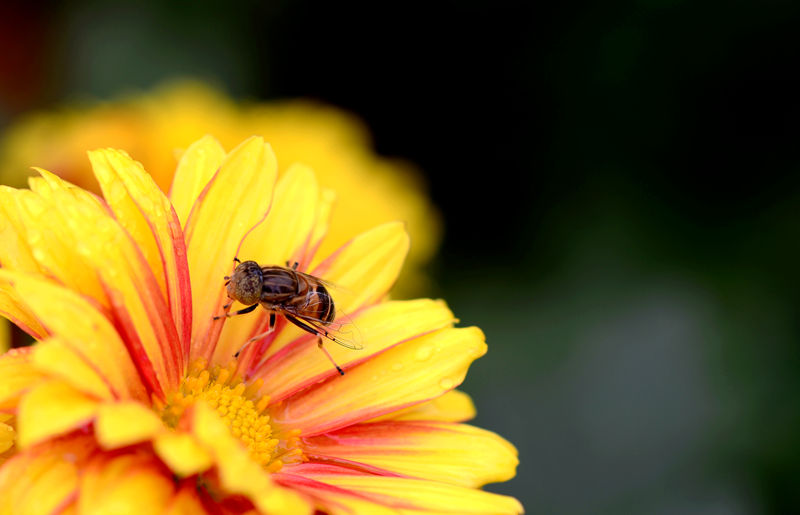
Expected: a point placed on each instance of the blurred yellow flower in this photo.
(136, 399)
(156, 126)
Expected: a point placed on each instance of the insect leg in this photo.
(294, 265)
(302, 325)
(244, 311)
(270, 328)
(328, 354)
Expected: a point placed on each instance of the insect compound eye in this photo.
(245, 285)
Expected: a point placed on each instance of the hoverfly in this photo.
(300, 298)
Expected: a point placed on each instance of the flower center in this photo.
(244, 412)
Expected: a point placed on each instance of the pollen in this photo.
(243, 411)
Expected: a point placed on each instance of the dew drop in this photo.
(39, 255)
(397, 366)
(446, 383)
(423, 353)
(34, 236)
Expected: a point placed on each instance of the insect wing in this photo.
(342, 330)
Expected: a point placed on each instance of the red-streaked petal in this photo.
(440, 451)
(404, 375)
(379, 327)
(81, 327)
(408, 495)
(335, 500)
(235, 200)
(146, 213)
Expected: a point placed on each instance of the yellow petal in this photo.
(51, 409)
(238, 474)
(410, 495)
(15, 252)
(56, 359)
(404, 375)
(274, 242)
(235, 200)
(290, 219)
(379, 327)
(452, 453)
(19, 375)
(146, 213)
(454, 406)
(366, 267)
(77, 324)
(14, 308)
(195, 169)
(182, 453)
(53, 240)
(51, 187)
(125, 423)
(321, 224)
(126, 484)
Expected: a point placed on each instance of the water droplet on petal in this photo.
(39, 255)
(397, 366)
(423, 353)
(446, 383)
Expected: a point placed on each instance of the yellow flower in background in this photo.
(135, 398)
(155, 127)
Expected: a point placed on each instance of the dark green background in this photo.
(620, 187)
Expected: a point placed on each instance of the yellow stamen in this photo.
(241, 409)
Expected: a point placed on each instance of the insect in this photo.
(302, 299)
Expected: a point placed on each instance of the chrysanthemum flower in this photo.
(133, 401)
(151, 126)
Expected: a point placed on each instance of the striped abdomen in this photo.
(313, 301)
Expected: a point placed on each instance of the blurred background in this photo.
(619, 186)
